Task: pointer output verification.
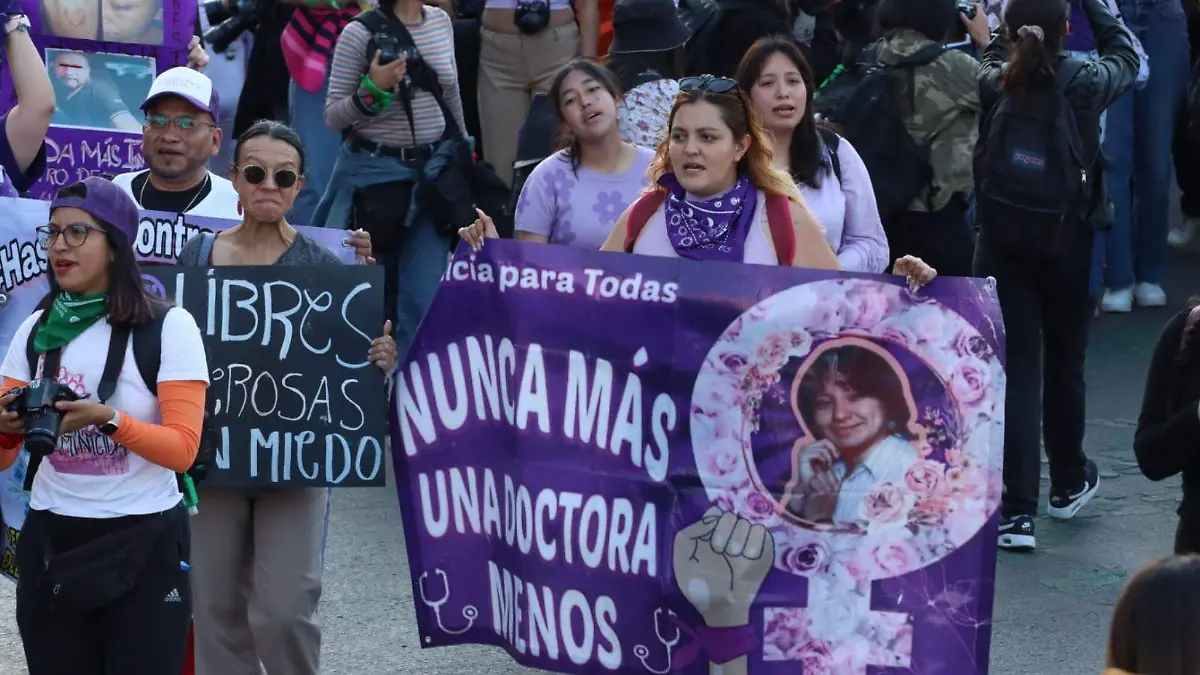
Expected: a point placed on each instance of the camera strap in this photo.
(113, 363)
(398, 30)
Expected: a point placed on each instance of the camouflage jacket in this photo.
(946, 110)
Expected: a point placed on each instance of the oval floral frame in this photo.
(945, 504)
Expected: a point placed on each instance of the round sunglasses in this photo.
(710, 83)
(255, 175)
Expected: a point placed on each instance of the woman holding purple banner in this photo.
(575, 196)
(714, 180)
(23, 147)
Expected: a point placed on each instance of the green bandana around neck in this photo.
(69, 316)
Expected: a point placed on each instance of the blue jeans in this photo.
(1137, 142)
(306, 110)
(422, 253)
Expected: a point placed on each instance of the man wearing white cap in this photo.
(179, 136)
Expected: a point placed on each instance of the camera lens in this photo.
(41, 440)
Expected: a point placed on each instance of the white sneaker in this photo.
(1117, 300)
(1150, 295)
(1179, 237)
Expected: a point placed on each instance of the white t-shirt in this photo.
(221, 201)
(89, 475)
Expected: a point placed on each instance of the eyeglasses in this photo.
(182, 123)
(76, 234)
(709, 83)
(255, 175)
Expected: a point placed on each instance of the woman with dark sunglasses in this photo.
(718, 162)
(263, 548)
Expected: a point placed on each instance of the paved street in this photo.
(1052, 607)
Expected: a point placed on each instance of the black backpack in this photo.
(703, 19)
(1031, 169)
(860, 101)
(147, 354)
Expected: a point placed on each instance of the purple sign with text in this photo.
(629, 464)
(101, 57)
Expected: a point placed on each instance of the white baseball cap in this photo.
(191, 85)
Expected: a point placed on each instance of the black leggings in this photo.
(143, 632)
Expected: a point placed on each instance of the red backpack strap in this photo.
(783, 236)
(639, 215)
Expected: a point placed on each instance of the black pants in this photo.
(941, 238)
(143, 632)
(1185, 150)
(1047, 314)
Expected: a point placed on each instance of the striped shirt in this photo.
(435, 41)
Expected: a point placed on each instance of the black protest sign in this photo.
(294, 400)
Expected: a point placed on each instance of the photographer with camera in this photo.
(525, 43)
(104, 555)
(393, 95)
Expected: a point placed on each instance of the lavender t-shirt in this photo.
(578, 208)
(12, 179)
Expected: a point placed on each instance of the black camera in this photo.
(967, 7)
(35, 404)
(532, 16)
(229, 24)
(389, 50)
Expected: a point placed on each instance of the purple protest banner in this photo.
(618, 463)
(101, 59)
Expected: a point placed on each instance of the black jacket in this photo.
(1167, 441)
(1094, 88)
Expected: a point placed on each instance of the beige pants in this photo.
(256, 580)
(512, 68)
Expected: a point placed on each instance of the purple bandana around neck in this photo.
(713, 229)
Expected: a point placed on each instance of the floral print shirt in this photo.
(578, 207)
(642, 114)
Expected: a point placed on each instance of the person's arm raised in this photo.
(26, 124)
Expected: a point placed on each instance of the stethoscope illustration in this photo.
(642, 652)
(470, 613)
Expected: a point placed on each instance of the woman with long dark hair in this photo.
(105, 550)
(574, 196)
(1046, 297)
(826, 168)
(1156, 620)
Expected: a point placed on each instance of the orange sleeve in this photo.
(173, 443)
(10, 445)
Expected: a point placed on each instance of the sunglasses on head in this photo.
(255, 175)
(709, 83)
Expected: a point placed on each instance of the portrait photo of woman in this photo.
(855, 405)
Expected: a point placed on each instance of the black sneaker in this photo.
(1016, 533)
(1064, 504)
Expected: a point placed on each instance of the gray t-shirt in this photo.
(303, 251)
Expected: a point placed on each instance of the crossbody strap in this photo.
(207, 239)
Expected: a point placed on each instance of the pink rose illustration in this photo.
(731, 361)
(967, 482)
(894, 557)
(970, 343)
(757, 506)
(931, 511)
(866, 306)
(924, 477)
(799, 341)
(825, 316)
(886, 503)
(897, 332)
(723, 458)
(970, 380)
(813, 656)
(808, 558)
(772, 353)
(926, 323)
